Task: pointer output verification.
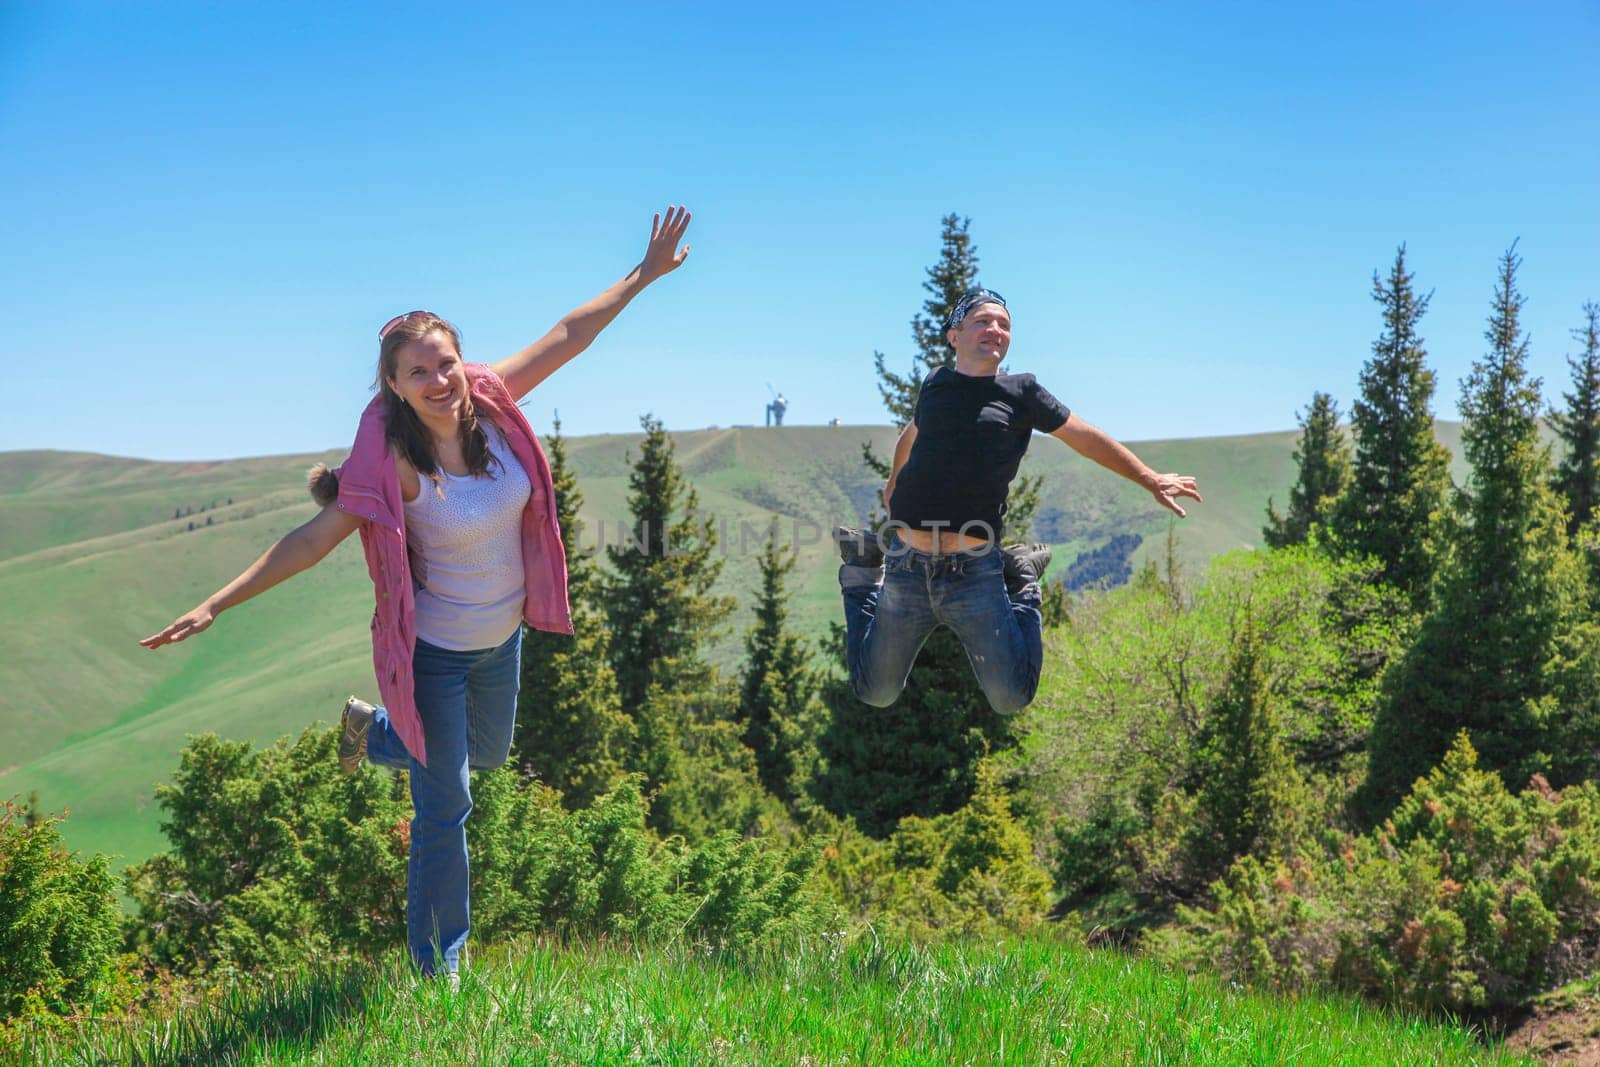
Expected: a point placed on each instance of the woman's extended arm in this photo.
(579, 327)
(1114, 456)
(298, 549)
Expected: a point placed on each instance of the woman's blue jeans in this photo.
(468, 704)
(887, 622)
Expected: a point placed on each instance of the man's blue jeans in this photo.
(886, 624)
(468, 704)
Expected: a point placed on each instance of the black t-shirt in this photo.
(971, 435)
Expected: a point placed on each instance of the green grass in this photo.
(1024, 1002)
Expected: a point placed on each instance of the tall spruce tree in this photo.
(1577, 476)
(658, 599)
(571, 730)
(777, 693)
(662, 614)
(1250, 793)
(920, 755)
(1401, 476)
(1489, 655)
(1322, 459)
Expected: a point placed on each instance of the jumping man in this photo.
(940, 562)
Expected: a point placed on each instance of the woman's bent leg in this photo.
(384, 747)
(437, 911)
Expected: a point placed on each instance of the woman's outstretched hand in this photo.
(184, 626)
(662, 255)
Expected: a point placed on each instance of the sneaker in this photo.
(857, 548)
(450, 980)
(353, 726)
(1024, 566)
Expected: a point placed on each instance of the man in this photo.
(941, 562)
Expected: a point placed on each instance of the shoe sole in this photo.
(863, 547)
(352, 748)
(1016, 576)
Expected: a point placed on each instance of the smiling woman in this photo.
(457, 570)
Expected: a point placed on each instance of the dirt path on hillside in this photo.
(1567, 1035)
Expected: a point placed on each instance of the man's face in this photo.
(983, 336)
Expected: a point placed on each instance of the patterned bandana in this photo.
(965, 305)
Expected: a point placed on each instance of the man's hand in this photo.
(1167, 488)
(662, 255)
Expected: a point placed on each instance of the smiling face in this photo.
(430, 377)
(982, 339)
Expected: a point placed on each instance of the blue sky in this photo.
(209, 209)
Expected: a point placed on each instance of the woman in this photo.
(452, 495)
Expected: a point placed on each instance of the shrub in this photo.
(971, 871)
(59, 922)
(276, 857)
(1468, 898)
(1092, 856)
(1138, 672)
(599, 870)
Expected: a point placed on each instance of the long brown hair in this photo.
(403, 430)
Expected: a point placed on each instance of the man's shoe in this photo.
(353, 726)
(857, 548)
(1024, 565)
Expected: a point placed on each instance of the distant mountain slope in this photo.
(92, 558)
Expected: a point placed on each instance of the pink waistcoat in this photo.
(369, 488)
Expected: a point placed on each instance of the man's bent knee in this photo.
(877, 696)
(1011, 701)
(489, 762)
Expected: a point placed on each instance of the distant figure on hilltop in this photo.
(451, 492)
(939, 561)
(776, 409)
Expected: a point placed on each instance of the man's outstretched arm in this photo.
(1114, 456)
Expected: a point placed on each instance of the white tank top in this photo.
(464, 535)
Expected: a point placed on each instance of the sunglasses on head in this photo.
(398, 319)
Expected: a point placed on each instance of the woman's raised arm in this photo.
(579, 327)
(298, 549)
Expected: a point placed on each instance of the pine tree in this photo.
(1323, 461)
(919, 755)
(662, 614)
(659, 601)
(779, 686)
(1400, 477)
(571, 730)
(1250, 791)
(1487, 656)
(1577, 476)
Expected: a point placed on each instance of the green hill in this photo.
(92, 558)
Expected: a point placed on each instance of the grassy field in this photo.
(92, 558)
(1024, 1002)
